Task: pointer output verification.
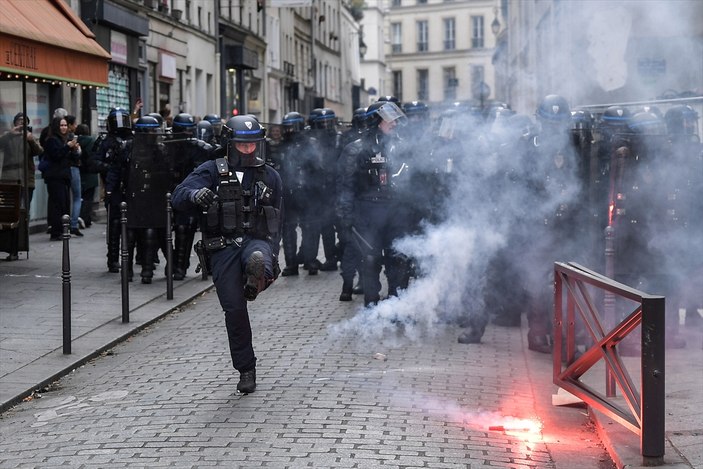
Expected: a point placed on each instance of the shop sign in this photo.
(118, 47)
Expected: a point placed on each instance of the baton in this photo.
(360, 239)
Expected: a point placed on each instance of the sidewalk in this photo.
(31, 343)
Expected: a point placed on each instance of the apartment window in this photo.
(450, 83)
(396, 38)
(477, 31)
(200, 17)
(188, 11)
(398, 84)
(395, 3)
(423, 85)
(449, 34)
(422, 36)
(421, 2)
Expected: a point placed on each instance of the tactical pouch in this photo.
(215, 244)
(229, 216)
(271, 219)
(212, 218)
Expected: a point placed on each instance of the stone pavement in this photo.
(326, 397)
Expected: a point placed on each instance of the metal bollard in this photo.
(169, 248)
(124, 250)
(66, 285)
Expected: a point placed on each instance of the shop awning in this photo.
(45, 39)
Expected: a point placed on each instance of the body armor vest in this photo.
(376, 174)
(240, 211)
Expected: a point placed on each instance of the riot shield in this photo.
(148, 182)
(178, 148)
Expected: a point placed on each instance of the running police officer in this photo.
(241, 200)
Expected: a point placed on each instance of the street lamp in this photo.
(495, 25)
(362, 47)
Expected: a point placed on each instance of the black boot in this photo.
(329, 266)
(113, 246)
(290, 270)
(179, 253)
(346, 291)
(255, 273)
(247, 381)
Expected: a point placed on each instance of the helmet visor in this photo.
(390, 112)
(246, 154)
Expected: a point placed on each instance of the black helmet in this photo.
(118, 121)
(183, 122)
(245, 129)
(323, 119)
(158, 117)
(392, 99)
(147, 124)
(681, 120)
(581, 120)
(383, 111)
(553, 108)
(204, 132)
(646, 123)
(416, 110)
(216, 122)
(615, 116)
(293, 123)
(359, 118)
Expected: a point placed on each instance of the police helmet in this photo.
(147, 124)
(416, 110)
(615, 116)
(293, 123)
(118, 121)
(241, 130)
(158, 117)
(553, 108)
(359, 118)
(216, 122)
(392, 99)
(581, 120)
(681, 120)
(323, 119)
(387, 111)
(646, 123)
(183, 122)
(203, 131)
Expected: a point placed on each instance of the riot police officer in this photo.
(302, 173)
(555, 188)
(323, 127)
(113, 151)
(358, 125)
(366, 199)
(241, 201)
(187, 152)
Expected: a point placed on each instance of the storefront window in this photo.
(12, 147)
(116, 95)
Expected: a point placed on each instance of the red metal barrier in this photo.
(644, 413)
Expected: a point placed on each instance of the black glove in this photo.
(204, 197)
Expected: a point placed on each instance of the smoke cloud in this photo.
(512, 179)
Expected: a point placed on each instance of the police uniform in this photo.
(240, 229)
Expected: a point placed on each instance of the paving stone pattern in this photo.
(166, 397)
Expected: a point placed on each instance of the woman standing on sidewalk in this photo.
(59, 153)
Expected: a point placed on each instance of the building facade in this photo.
(436, 51)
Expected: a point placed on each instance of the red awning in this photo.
(45, 39)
